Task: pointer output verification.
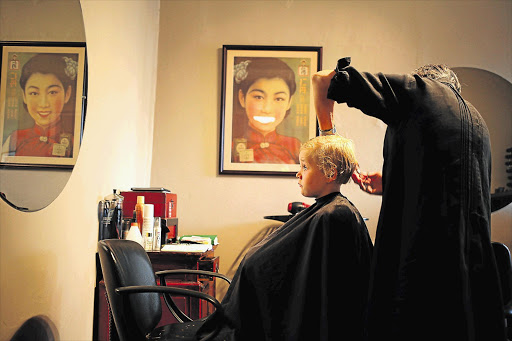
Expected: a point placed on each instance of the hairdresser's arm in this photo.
(368, 182)
(324, 107)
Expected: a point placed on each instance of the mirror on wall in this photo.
(28, 183)
(490, 94)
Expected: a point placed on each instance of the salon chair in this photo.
(504, 263)
(134, 296)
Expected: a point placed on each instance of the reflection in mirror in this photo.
(491, 95)
(31, 188)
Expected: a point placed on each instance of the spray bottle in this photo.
(147, 227)
(157, 235)
(134, 232)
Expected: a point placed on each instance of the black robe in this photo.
(434, 275)
(306, 281)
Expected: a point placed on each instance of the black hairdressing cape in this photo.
(306, 281)
(434, 275)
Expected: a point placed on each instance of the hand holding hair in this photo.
(368, 182)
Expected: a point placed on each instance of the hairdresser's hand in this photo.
(370, 183)
(324, 107)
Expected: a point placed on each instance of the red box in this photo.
(165, 203)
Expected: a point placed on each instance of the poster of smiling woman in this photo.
(267, 107)
(41, 90)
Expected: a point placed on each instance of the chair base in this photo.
(176, 331)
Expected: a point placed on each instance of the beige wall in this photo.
(389, 36)
(116, 151)
(47, 258)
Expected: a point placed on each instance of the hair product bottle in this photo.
(134, 232)
(139, 210)
(147, 227)
(125, 227)
(157, 235)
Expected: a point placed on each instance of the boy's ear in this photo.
(332, 175)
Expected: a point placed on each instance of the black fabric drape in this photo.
(306, 281)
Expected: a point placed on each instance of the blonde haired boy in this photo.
(326, 162)
(309, 279)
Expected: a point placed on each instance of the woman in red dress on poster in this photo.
(46, 81)
(263, 98)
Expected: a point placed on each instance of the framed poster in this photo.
(41, 103)
(266, 107)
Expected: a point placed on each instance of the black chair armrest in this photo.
(219, 311)
(171, 291)
(171, 305)
(164, 273)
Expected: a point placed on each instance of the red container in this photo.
(165, 203)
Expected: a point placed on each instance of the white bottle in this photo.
(134, 234)
(157, 235)
(147, 227)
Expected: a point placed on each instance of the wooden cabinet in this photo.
(195, 308)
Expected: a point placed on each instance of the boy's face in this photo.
(312, 182)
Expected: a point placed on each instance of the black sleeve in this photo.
(386, 97)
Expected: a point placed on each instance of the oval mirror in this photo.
(490, 94)
(43, 48)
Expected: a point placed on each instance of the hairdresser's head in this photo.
(441, 73)
(333, 154)
(46, 81)
(265, 90)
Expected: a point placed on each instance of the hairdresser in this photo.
(433, 274)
